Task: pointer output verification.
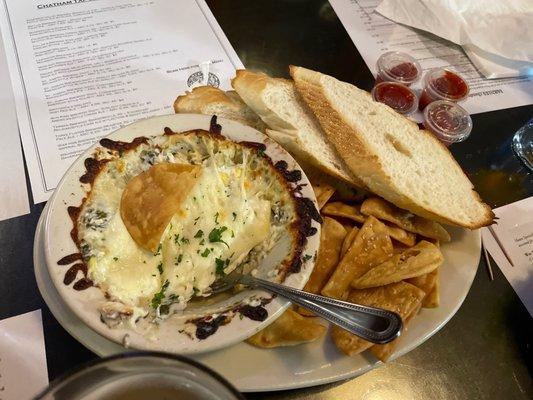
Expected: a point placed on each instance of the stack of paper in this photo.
(81, 70)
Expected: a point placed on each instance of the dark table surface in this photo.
(484, 352)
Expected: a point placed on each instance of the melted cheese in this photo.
(218, 224)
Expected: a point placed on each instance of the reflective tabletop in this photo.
(484, 352)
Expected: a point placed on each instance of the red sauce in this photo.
(395, 66)
(452, 85)
(396, 96)
(405, 71)
(445, 85)
(425, 99)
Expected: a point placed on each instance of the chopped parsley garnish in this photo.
(195, 291)
(221, 265)
(205, 253)
(160, 268)
(159, 296)
(158, 251)
(307, 257)
(234, 215)
(164, 309)
(216, 218)
(115, 258)
(232, 234)
(176, 238)
(202, 242)
(215, 236)
(184, 240)
(199, 234)
(179, 258)
(194, 198)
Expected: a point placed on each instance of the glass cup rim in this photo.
(136, 354)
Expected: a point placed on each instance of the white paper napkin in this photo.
(514, 230)
(496, 35)
(23, 372)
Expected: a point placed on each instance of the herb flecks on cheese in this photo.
(234, 213)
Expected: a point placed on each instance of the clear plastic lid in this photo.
(395, 66)
(397, 96)
(446, 84)
(449, 121)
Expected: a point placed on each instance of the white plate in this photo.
(169, 336)
(251, 369)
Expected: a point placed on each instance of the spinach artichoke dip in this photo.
(165, 216)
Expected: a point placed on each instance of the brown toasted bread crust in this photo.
(359, 159)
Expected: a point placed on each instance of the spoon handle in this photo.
(373, 324)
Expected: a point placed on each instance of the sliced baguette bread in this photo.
(394, 158)
(209, 100)
(290, 122)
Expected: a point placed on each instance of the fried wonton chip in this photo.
(384, 210)
(371, 247)
(415, 261)
(323, 193)
(401, 235)
(332, 237)
(348, 240)
(432, 299)
(384, 351)
(320, 182)
(151, 198)
(331, 240)
(425, 282)
(338, 209)
(288, 330)
(402, 298)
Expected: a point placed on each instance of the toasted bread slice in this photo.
(290, 122)
(213, 101)
(390, 154)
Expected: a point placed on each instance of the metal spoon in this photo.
(373, 324)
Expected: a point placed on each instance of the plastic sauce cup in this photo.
(395, 66)
(448, 121)
(397, 96)
(443, 84)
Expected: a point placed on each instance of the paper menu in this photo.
(495, 35)
(13, 193)
(514, 230)
(374, 35)
(23, 371)
(81, 69)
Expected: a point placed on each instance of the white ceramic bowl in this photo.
(167, 336)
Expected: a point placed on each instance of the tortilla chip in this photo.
(348, 240)
(401, 235)
(289, 329)
(151, 198)
(349, 344)
(323, 193)
(425, 282)
(338, 209)
(432, 299)
(415, 261)
(384, 351)
(402, 298)
(371, 247)
(331, 239)
(384, 210)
